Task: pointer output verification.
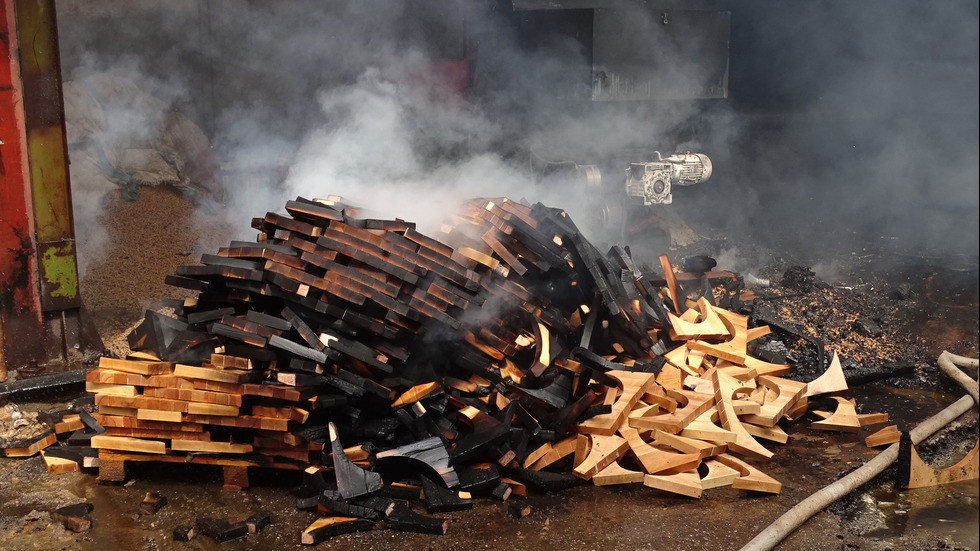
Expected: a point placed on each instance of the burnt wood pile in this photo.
(392, 367)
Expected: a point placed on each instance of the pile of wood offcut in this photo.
(391, 366)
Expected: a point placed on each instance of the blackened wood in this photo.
(267, 320)
(375, 260)
(292, 225)
(401, 491)
(221, 529)
(425, 456)
(390, 225)
(78, 454)
(313, 433)
(404, 519)
(90, 421)
(352, 481)
(271, 245)
(328, 527)
(415, 426)
(367, 384)
(214, 260)
(324, 401)
(305, 366)
(297, 349)
(152, 503)
(191, 346)
(487, 432)
(184, 533)
(336, 504)
(442, 500)
(360, 352)
(253, 353)
(82, 437)
(214, 272)
(301, 327)
(383, 504)
(317, 214)
(74, 517)
(155, 333)
(518, 509)
(519, 439)
(478, 480)
(223, 330)
(186, 283)
(502, 491)
(563, 420)
(342, 385)
(258, 521)
(300, 379)
(555, 395)
(544, 480)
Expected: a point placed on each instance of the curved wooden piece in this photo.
(789, 392)
(704, 428)
(744, 443)
(773, 433)
(670, 377)
(750, 478)
(658, 461)
(604, 451)
(687, 483)
(887, 435)
(922, 475)
(695, 404)
(688, 445)
(710, 326)
(832, 380)
(844, 419)
(718, 475)
(615, 473)
(733, 349)
(634, 385)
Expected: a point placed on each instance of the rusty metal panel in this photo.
(650, 54)
(20, 309)
(48, 154)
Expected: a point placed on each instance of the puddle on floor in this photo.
(949, 511)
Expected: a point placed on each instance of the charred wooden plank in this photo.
(328, 527)
(332, 501)
(221, 529)
(297, 349)
(74, 517)
(425, 456)
(404, 519)
(545, 480)
(184, 533)
(152, 503)
(352, 481)
(303, 329)
(316, 214)
(258, 521)
(442, 500)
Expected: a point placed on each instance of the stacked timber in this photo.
(507, 353)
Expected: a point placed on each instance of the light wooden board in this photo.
(127, 444)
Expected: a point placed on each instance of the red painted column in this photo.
(21, 320)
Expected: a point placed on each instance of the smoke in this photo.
(846, 124)
(851, 127)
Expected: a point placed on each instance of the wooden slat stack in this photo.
(509, 352)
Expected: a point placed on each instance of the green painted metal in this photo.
(48, 154)
(60, 274)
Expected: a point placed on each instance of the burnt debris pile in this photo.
(392, 368)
